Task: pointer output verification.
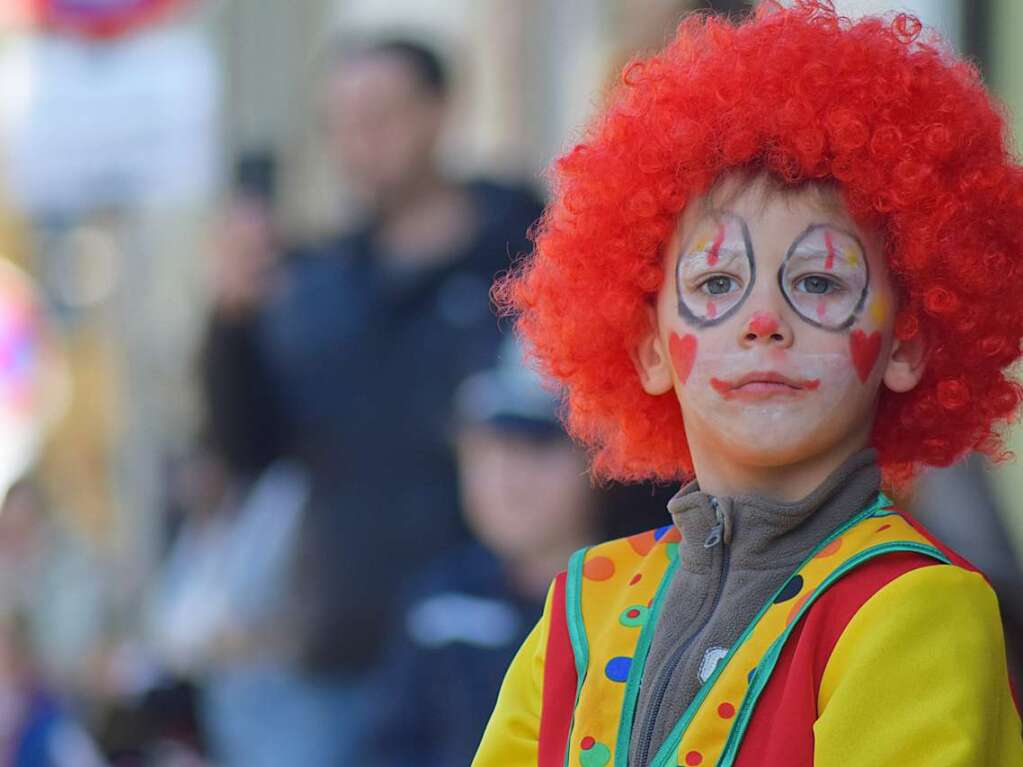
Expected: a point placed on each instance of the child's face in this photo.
(774, 327)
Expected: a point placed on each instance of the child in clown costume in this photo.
(787, 264)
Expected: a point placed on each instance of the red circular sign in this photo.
(99, 19)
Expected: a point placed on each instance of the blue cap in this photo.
(510, 396)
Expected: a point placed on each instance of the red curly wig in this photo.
(918, 152)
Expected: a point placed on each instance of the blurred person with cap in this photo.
(342, 357)
(526, 496)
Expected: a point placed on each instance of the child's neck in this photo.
(720, 475)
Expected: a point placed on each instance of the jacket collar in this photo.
(763, 534)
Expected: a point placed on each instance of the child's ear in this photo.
(906, 364)
(652, 362)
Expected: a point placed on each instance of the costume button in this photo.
(830, 549)
(617, 669)
(594, 754)
(599, 569)
(642, 543)
(790, 589)
(634, 616)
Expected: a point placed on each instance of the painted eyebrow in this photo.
(799, 245)
(802, 250)
(810, 253)
(727, 257)
(720, 219)
(848, 234)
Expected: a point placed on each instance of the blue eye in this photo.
(719, 285)
(816, 284)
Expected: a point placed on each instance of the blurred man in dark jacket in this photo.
(344, 357)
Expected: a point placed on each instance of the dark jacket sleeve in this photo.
(244, 420)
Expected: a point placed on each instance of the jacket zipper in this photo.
(714, 538)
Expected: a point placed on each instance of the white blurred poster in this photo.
(129, 122)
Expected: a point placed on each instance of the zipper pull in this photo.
(717, 532)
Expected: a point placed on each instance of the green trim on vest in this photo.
(600, 597)
(573, 606)
(765, 668)
(576, 628)
(668, 749)
(668, 752)
(646, 636)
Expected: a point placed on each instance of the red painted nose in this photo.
(763, 324)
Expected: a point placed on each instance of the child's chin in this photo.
(774, 444)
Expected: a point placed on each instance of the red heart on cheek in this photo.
(683, 354)
(865, 350)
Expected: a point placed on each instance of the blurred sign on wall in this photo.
(97, 19)
(130, 122)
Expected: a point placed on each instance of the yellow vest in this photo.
(614, 594)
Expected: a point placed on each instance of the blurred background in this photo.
(279, 489)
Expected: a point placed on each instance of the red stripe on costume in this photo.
(957, 559)
(559, 684)
(780, 732)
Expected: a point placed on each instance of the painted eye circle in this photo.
(816, 284)
(718, 286)
(715, 272)
(825, 277)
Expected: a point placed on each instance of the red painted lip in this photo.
(761, 384)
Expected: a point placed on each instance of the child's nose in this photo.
(766, 328)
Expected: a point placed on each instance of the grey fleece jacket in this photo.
(735, 553)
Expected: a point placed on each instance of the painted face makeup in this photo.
(756, 402)
(825, 277)
(715, 271)
(768, 390)
(773, 370)
(758, 376)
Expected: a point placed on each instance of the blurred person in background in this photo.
(218, 616)
(527, 497)
(342, 357)
(219, 621)
(37, 725)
